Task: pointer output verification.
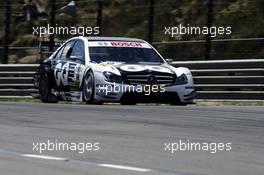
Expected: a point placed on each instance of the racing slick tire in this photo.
(178, 104)
(128, 103)
(175, 101)
(45, 89)
(89, 89)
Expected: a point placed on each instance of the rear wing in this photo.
(46, 48)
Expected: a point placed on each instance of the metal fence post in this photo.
(52, 22)
(99, 16)
(7, 30)
(208, 42)
(151, 21)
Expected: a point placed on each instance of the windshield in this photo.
(124, 54)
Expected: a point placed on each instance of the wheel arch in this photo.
(87, 69)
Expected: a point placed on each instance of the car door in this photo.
(61, 64)
(76, 66)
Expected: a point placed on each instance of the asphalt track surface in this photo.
(131, 139)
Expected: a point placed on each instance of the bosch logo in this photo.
(126, 44)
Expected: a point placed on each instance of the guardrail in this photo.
(16, 80)
(227, 79)
(219, 79)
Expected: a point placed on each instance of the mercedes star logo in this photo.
(152, 79)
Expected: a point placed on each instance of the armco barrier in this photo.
(16, 80)
(219, 79)
(227, 79)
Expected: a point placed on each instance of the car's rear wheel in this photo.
(45, 89)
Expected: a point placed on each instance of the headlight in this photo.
(111, 77)
(181, 80)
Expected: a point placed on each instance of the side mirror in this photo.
(169, 60)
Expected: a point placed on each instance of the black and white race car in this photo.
(112, 69)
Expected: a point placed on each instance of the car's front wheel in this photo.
(128, 103)
(175, 101)
(88, 88)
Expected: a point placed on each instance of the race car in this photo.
(112, 69)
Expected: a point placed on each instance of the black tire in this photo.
(178, 104)
(88, 88)
(45, 89)
(175, 101)
(123, 102)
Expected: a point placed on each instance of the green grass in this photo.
(19, 100)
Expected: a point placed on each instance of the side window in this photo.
(58, 55)
(67, 48)
(77, 54)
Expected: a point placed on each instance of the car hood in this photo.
(119, 67)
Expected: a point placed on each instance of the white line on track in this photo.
(37, 156)
(125, 167)
(129, 168)
(43, 157)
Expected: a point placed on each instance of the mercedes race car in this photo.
(112, 69)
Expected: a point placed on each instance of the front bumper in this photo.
(113, 92)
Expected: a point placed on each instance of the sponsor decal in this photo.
(137, 68)
(118, 44)
(132, 68)
(126, 44)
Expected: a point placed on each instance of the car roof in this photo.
(99, 38)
